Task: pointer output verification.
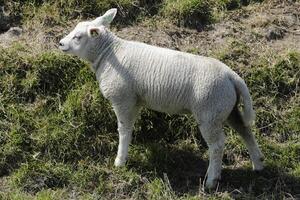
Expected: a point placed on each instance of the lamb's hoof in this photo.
(258, 168)
(258, 165)
(211, 184)
(119, 162)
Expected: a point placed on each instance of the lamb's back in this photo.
(165, 79)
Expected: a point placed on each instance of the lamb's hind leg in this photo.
(235, 121)
(215, 138)
(126, 115)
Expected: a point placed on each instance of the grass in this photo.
(58, 137)
(190, 13)
(198, 13)
(61, 137)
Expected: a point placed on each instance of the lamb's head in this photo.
(85, 37)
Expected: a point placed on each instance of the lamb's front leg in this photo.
(126, 115)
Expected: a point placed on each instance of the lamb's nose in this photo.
(61, 44)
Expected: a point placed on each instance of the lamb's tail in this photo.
(248, 114)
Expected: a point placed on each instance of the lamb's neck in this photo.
(106, 46)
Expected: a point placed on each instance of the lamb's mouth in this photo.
(64, 50)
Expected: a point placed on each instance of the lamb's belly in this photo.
(166, 107)
(166, 98)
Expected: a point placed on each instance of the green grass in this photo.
(197, 13)
(58, 135)
(190, 13)
(61, 137)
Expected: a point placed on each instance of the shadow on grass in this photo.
(272, 181)
(183, 166)
(185, 169)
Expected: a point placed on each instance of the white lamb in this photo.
(133, 74)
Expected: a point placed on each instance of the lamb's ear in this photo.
(95, 31)
(107, 18)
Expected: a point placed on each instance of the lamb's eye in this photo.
(77, 37)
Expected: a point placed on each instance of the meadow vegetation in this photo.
(58, 135)
(187, 12)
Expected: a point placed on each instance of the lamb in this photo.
(133, 74)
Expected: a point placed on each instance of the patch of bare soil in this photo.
(271, 27)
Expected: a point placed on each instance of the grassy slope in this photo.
(58, 135)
